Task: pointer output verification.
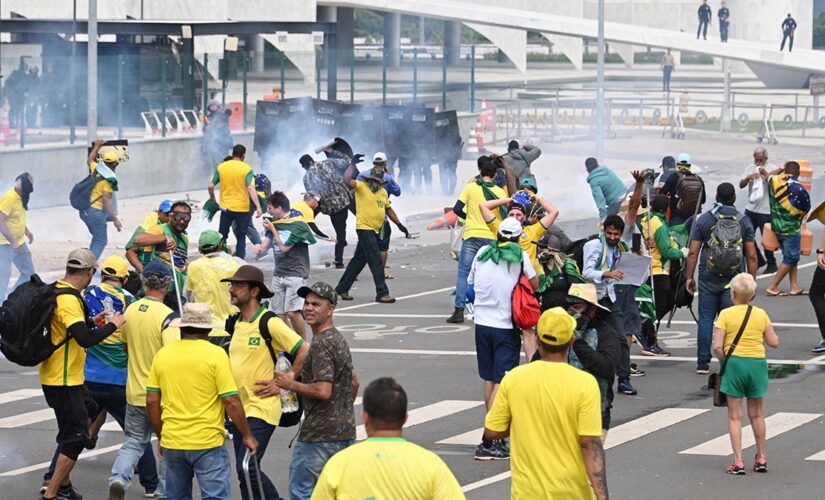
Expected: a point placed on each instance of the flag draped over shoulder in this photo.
(293, 230)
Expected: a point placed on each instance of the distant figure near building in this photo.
(704, 19)
(788, 28)
(668, 65)
(723, 15)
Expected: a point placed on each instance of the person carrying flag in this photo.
(790, 202)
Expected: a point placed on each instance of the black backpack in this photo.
(25, 322)
(576, 249)
(290, 419)
(724, 252)
(81, 193)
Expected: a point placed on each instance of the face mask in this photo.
(581, 323)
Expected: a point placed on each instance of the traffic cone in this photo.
(472, 142)
(480, 139)
(5, 131)
(448, 220)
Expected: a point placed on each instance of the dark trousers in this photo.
(785, 37)
(447, 176)
(759, 221)
(817, 296)
(703, 29)
(662, 295)
(339, 223)
(366, 254)
(723, 31)
(617, 322)
(262, 432)
(666, 72)
(239, 222)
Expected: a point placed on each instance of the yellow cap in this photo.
(111, 156)
(115, 266)
(555, 327)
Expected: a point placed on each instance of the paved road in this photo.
(667, 441)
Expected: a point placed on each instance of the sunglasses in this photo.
(181, 217)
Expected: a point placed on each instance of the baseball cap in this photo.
(157, 267)
(116, 266)
(379, 158)
(166, 206)
(320, 289)
(529, 183)
(555, 327)
(684, 159)
(510, 227)
(81, 258)
(111, 156)
(209, 239)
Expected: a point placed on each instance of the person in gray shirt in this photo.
(520, 158)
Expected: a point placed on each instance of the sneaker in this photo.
(626, 388)
(503, 445)
(770, 269)
(44, 487)
(646, 350)
(760, 464)
(702, 368)
(345, 296)
(820, 347)
(386, 299)
(736, 469)
(491, 453)
(148, 493)
(659, 351)
(457, 317)
(339, 265)
(69, 493)
(117, 491)
(635, 371)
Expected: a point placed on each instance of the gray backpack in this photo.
(724, 252)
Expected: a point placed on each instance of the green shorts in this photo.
(745, 378)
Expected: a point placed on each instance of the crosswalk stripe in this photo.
(428, 413)
(818, 456)
(19, 395)
(778, 423)
(45, 465)
(22, 419)
(467, 439)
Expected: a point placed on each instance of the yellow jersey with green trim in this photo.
(474, 224)
(65, 366)
(370, 207)
(143, 334)
(234, 178)
(11, 205)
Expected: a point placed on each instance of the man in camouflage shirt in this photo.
(328, 385)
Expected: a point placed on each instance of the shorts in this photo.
(73, 407)
(745, 378)
(497, 351)
(384, 240)
(791, 246)
(285, 298)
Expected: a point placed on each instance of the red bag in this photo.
(526, 310)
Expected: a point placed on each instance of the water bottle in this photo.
(108, 309)
(289, 400)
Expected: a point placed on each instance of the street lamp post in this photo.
(600, 119)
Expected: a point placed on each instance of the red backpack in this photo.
(525, 305)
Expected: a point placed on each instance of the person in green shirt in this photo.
(170, 243)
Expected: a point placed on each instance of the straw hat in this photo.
(196, 315)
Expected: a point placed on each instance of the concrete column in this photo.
(392, 38)
(346, 21)
(257, 44)
(452, 42)
(91, 73)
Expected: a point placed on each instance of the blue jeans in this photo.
(791, 248)
(469, 249)
(713, 297)
(95, 220)
(239, 223)
(22, 260)
(262, 432)
(308, 460)
(137, 432)
(210, 466)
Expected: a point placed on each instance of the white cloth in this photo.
(493, 284)
(762, 205)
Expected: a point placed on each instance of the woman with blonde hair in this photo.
(746, 370)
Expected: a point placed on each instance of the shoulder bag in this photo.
(715, 379)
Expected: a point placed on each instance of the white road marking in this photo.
(800, 266)
(428, 413)
(45, 465)
(19, 395)
(22, 419)
(405, 297)
(470, 438)
(783, 325)
(778, 423)
(818, 456)
(415, 352)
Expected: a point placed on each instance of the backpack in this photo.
(576, 249)
(689, 192)
(525, 306)
(25, 322)
(724, 252)
(290, 419)
(80, 196)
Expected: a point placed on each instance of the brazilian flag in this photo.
(293, 230)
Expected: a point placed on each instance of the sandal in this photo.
(775, 294)
(800, 292)
(760, 464)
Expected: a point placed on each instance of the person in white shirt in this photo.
(758, 209)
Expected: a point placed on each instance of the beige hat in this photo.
(585, 292)
(196, 315)
(81, 258)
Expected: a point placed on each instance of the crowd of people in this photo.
(193, 351)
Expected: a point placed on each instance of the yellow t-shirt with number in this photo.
(192, 376)
(306, 210)
(234, 178)
(529, 234)
(547, 407)
(752, 343)
(386, 468)
(252, 362)
(370, 208)
(146, 324)
(65, 365)
(11, 204)
(102, 186)
(474, 224)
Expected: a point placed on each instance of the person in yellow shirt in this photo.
(531, 232)
(203, 283)
(140, 256)
(253, 357)
(372, 203)
(307, 206)
(739, 339)
(61, 374)
(237, 183)
(101, 205)
(193, 380)
(145, 332)
(386, 465)
(477, 233)
(13, 234)
(552, 413)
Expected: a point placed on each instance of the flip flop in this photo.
(801, 292)
(775, 294)
(389, 277)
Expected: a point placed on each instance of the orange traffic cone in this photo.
(472, 142)
(448, 220)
